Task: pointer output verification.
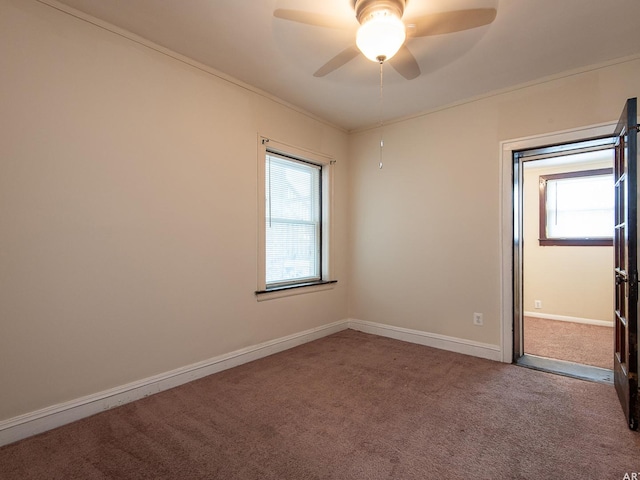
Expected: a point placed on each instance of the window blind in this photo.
(293, 220)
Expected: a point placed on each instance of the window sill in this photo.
(576, 242)
(289, 290)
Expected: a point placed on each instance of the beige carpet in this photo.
(574, 342)
(349, 406)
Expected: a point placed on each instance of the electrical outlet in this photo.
(537, 304)
(477, 319)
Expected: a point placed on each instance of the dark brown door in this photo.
(625, 361)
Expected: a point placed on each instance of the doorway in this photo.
(514, 155)
(566, 194)
(623, 137)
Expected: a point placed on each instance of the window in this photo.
(576, 208)
(294, 212)
(293, 227)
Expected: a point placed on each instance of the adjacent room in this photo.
(237, 244)
(568, 257)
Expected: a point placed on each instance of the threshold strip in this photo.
(567, 369)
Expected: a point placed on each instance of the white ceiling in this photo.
(529, 40)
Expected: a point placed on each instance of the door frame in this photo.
(511, 258)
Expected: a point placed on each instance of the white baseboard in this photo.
(32, 423)
(443, 342)
(48, 418)
(565, 318)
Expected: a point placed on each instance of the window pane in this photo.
(291, 252)
(292, 220)
(580, 207)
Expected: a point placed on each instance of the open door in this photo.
(625, 361)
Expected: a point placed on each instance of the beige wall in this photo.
(128, 224)
(425, 249)
(569, 281)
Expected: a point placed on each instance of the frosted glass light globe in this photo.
(381, 36)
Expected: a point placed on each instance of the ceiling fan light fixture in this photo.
(380, 37)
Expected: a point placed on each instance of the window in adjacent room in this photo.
(576, 208)
(294, 208)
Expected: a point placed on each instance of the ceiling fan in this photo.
(382, 34)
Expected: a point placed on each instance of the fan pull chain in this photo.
(380, 123)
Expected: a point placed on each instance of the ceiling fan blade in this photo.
(336, 62)
(449, 22)
(310, 18)
(405, 63)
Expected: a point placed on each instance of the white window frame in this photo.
(326, 163)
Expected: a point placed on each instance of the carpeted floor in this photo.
(574, 342)
(349, 406)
